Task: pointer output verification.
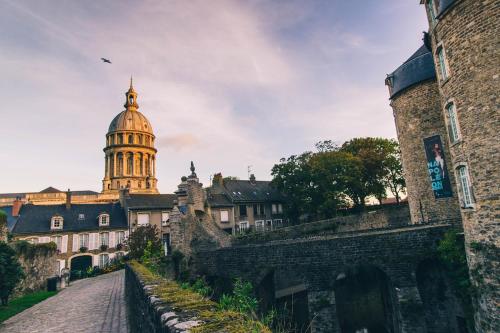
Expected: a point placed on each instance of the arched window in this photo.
(120, 164)
(453, 127)
(147, 140)
(120, 139)
(130, 163)
(147, 165)
(130, 139)
(140, 138)
(103, 219)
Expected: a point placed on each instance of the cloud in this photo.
(178, 142)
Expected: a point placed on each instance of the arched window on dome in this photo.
(120, 139)
(130, 163)
(120, 164)
(139, 139)
(147, 140)
(147, 165)
(141, 163)
(130, 139)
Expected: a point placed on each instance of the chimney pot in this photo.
(16, 207)
(68, 199)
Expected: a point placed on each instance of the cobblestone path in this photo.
(95, 305)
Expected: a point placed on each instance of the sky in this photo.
(226, 84)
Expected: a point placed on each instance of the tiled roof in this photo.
(37, 218)
(218, 200)
(11, 221)
(418, 68)
(150, 201)
(443, 6)
(246, 191)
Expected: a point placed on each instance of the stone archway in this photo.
(443, 311)
(365, 301)
(79, 266)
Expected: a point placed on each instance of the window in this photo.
(103, 260)
(280, 209)
(262, 209)
(140, 139)
(243, 210)
(224, 216)
(57, 240)
(56, 223)
(465, 187)
(453, 129)
(243, 226)
(84, 240)
(442, 63)
(278, 223)
(164, 218)
(166, 243)
(81, 216)
(104, 239)
(120, 139)
(142, 219)
(103, 220)
(255, 210)
(269, 224)
(120, 237)
(147, 140)
(259, 225)
(432, 11)
(274, 208)
(130, 139)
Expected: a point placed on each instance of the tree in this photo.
(144, 237)
(372, 153)
(394, 179)
(293, 178)
(336, 175)
(11, 272)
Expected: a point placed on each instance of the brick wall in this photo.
(469, 35)
(316, 263)
(417, 113)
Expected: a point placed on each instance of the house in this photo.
(86, 235)
(149, 209)
(242, 205)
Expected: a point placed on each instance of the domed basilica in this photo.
(130, 160)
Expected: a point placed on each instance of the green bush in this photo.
(11, 272)
(241, 300)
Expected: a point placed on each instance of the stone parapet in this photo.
(156, 305)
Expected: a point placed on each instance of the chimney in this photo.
(68, 199)
(252, 178)
(218, 180)
(16, 206)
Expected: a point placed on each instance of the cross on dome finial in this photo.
(131, 102)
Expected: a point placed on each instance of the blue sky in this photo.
(226, 84)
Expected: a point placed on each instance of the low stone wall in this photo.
(155, 304)
(39, 263)
(380, 219)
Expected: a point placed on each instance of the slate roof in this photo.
(218, 200)
(418, 68)
(242, 191)
(151, 201)
(444, 5)
(50, 189)
(35, 219)
(11, 221)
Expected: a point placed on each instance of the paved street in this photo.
(90, 305)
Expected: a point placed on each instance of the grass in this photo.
(214, 320)
(22, 303)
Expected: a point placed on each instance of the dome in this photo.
(130, 120)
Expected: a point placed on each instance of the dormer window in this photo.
(56, 223)
(104, 220)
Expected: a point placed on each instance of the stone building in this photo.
(420, 127)
(130, 155)
(86, 235)
(463, 44)
(243, 205)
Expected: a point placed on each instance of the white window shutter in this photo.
(111, 239)
(96, 241)
(95, 260)
(64, 245)
(75, 242)
(92, 241)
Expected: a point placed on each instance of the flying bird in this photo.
(106, 60)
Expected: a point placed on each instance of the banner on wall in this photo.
(436, 166)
